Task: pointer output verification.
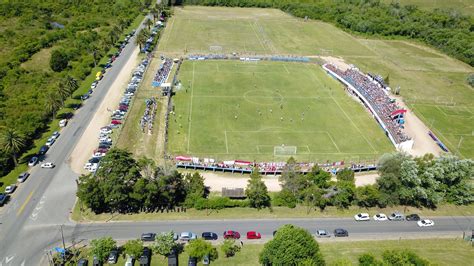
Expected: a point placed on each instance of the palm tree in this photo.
(148, 23)
(114, 34)
(72, 84)
(12, 142)
(53, 103)
(63, 91)
(154, 13)
(141, 39)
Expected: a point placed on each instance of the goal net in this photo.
(215, 48)
(284, 150)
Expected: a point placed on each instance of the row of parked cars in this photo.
(395, 216)
(117, 117)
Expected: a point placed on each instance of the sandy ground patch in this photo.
(417, 130)
(88, 142)
(337, 61)
(216, 180)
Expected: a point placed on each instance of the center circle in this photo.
(263, 97)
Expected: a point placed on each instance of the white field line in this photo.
(258, 37)
(286, 69)
(226, 143)
(333, 142)
(261, 97)
(170, 31)
(315, 153)
(354, 124)
(191, 109)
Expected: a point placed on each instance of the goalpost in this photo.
(283, 150)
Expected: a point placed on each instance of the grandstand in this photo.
(372, 93)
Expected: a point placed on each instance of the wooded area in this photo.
(47, 48)
(446, 30)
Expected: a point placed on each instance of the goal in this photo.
(284, 150)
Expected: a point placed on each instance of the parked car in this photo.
(396, 216)
(82, 262)
(63, 123)
(192, 261)
(23, 176)
(55, 135)
(130, 261)
(48, 165)
(425, 223)
(94, 160)
(380, 217)
(209, 236)
(113, 257)
(10, 189)
(43, 150)
(339, 232)
(253, 235)
(96, 261)
(3, 198)
(33, 161)
(186, 236)
(98, 155)
(413, 217)
(145, 257)
(50, 141)
(362, 217)
(116, 122)
(85, 96)
(231, 234)
(148, 237)
(322, 233)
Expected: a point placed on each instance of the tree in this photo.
(71, 84)
(367, 196)
(90, 193)
(53, 103)
(199, 248)
(63, 92)
(345, 174)
(344, 196)
(102, 247)
(314, 197)
(165, 244)
(195, 188)
(256, 191)
(229, 248)
(368, 259)
(291, 246)
(402, 257)
(141, 38)
(148, 23)
(133, 248)
(12, 143)
(290, 176)
(389, 182)
(285, 198)
(59, 60)
(470, 79)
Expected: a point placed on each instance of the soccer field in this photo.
(269, 111)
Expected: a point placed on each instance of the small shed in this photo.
(233, 193)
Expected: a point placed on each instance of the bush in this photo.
(284, 198)
(218, 203)
(229, 248)
(59, 60)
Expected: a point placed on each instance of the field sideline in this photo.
(432, 84)
(240, 110)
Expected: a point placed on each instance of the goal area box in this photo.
(284, 150)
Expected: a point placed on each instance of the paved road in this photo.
(30, 221)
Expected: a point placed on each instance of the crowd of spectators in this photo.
(270, 167)
(163, 71)
(149, 115)
(377, 98)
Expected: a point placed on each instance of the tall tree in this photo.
(291, 246)
(133, 248)
(199, 248)
(53, 103)
(148, 23)
(165, 244)
(101, 247)
(71, 83)
(257, 191)
(141, 38)
(12, 143)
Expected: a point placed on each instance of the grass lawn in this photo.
(278, 212)
(429, 80)
(437, 251)
(237, 110)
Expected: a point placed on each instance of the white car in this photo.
(105, 139)
(47, 165)
(88, 166)
(380, 217)
(105, 131)
(425, 223)
(186, 236)
(98, 155)
(362, 217)
(93, 168)
(50, 141)
(9, 189)
(55, 135)
(322, 233)
(63, 123)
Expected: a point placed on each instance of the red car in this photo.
(231, 234)
(253, 235)
(116, 122)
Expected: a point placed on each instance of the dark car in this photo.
(3, 198)
(148, 237)
(192, 261)
(96, 261)
(23, 176)
(94, 160)
(85, 96)
(146, 257)
(82, 262)
(209, 236)
(231, 234)
(412, 217)
(340, 232)
(113, 257)
(43, 150)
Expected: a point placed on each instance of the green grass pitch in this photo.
(241, 110)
